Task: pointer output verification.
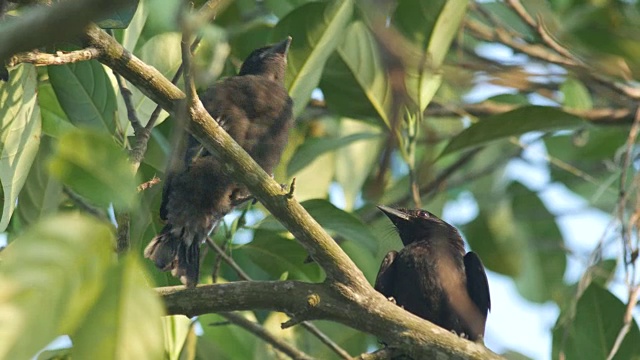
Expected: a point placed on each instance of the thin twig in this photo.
(83, 204)
(262, 333)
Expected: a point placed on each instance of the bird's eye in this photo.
(423, 214)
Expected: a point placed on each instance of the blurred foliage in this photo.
(444, 96)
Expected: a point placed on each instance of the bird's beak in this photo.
(282, 47)
(393, 214)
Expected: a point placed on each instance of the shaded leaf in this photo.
(20, 130)
(513, 123)
(277, 255)
(94, 167)
(41, 194)
(120, 18)
(593, 331)
(231, 341)
(335, 220)
(544, 261)
(50, 277)
(85, 94)
(316, 29)
(354, 83)
(54, 120)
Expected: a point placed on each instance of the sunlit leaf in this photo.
(576, 95)
(312, 148)
(316, 28)
(51, 276)
(20, 130)
(125, 322)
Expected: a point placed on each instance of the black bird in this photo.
(432, 277)
(255, 109)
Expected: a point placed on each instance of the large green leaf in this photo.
(92, 165)
(277, 255)
(176, 330)
(587, 158)
(544, 261)
(513, 123)
(231, 341)
(315, 147)
(54, 120)
(431, 26)
(85, 94)
(316, 29)
(592, 333)
(41, 194)
(355, 83)
(20, 130)
(335, 220)
(125, 322)
(576, 95)
(355, 161)
(163, 53)
(50, 277)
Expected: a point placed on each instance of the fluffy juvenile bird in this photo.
(432, 277)
(255, 109)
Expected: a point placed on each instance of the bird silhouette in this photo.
(432, 277)
(255, 109)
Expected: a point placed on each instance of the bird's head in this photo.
(416, 224)
(270, 61)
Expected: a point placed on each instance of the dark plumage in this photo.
(432, 277)
(255, 109)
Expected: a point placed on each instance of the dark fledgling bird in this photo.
(255, 109)
(432, 277)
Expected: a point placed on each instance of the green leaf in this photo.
(41, 194)
(316, 28)
(493, 236)
(54, 120)
(513, 123)
(314, 147)
(50, 277)
(125, 322)
(231, 341)
(129, 37)
(431, 25)
(94, 167)
(592, 333)
(176, 329)
(335, 220)
(276, 255)
(85, 94)
(354, 83)
(355, 161)
(576, 95)
(163, 53)
(20, 130)
(544, 261)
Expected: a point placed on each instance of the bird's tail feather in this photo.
(170, 250)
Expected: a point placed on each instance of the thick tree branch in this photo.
(373, 314)
(345, 297)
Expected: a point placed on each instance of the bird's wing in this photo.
(386, 274)
(477, 284)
